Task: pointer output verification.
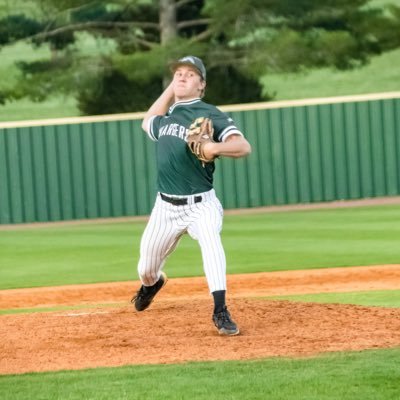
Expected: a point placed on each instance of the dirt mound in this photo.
(178, 328)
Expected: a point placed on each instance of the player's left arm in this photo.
(234, 146)
(229, 141)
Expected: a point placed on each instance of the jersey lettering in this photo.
(174, 130)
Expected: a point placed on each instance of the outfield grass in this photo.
(371, 298)
(368, 375)
(91, 253)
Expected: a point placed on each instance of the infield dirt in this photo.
(106, 331)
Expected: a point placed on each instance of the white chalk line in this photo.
(82, 314)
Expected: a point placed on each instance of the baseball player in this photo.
(186, 201)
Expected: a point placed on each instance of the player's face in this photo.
(187, 83)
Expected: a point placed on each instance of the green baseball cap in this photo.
(191, 61)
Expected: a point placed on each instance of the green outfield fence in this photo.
(303, 151)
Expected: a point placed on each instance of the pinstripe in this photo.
(147, 251)
(206, 228)
(167, 224)
(158, 241)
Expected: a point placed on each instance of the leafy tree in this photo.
(239, 40)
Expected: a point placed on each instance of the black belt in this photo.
(179, 201)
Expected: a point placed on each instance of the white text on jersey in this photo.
(173, 130)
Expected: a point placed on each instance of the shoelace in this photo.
(139, 295)
(224, 316)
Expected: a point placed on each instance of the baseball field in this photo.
(314, 290)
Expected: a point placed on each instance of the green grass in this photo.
(379, 298)
(55, 107)
(59, 308)
(368, 375)
(91, 253)
(328, 82)
(67, 255)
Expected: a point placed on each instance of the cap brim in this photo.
(174, 66)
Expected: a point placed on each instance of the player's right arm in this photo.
(159, 107)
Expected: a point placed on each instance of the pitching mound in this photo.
(177, 327)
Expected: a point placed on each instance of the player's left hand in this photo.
(200, 138)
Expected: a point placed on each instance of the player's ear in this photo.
(202, 85)
(201, 88)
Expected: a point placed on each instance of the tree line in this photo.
(239, 41)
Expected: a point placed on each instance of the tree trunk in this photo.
(168, 27)
(168, 24)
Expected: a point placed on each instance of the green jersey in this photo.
(179, 172)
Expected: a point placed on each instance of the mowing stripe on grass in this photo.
(58, 308)
(377, 298)
(367, 375)
(253, 243)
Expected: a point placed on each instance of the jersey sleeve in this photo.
(224, 126)
(153, 127)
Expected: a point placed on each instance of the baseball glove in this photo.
(200, 132)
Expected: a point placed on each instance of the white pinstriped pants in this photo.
(168, 222)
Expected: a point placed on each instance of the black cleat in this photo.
(224, 323)
(146, 294)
